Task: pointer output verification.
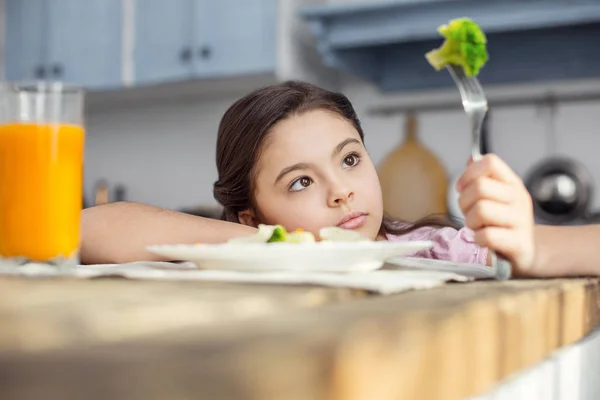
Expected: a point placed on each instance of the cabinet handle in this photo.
(40, 72)
(185, 55)
(204, 52)
(57, 70)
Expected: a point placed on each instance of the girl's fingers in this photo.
(489, 213)
(484, 188)
(501, 240)
(498, 208)
(491, 166)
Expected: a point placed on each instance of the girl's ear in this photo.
(247, 217)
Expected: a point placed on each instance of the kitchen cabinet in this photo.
(185, 39)
(163, 48)
(25, 47)
(187, 46)
(84, 42)
(235, 36)
(528, 41)
(68, 40)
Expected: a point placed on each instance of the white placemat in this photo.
(385, 281)
(475, 271)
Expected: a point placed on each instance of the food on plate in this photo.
(298, 236)
(465, 46)
(264, 233)
(278, 234)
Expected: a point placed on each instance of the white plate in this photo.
(317, 256)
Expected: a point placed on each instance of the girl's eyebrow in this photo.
(338, 149)
(289, 169)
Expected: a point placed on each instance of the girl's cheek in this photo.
(309, 216)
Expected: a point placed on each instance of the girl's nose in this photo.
(339, 196)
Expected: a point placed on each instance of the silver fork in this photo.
(476, 106)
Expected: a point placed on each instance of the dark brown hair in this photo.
(246, 125)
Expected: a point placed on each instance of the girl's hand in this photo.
(499, 209)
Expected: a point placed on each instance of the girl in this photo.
(293, 154)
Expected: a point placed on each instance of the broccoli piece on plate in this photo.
(279, 235)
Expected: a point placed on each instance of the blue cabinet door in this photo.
(85, 42)
(234, 37)
(25, 39)
(163, 40)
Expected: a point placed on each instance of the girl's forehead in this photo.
(315, 126)
(307, 138)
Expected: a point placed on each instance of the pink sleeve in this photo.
(449, 244)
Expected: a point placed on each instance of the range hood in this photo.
(528, 40)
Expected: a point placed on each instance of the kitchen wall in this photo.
(164, 152)
(518, 134)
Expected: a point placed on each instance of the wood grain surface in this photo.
(121, 339)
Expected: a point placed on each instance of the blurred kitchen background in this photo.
(161, 73)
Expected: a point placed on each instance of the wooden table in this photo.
(119, 339)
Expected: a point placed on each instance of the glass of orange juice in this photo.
(41, 172)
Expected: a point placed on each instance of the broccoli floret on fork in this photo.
(465, 45)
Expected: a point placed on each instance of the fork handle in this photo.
(476, 139)
(477, 116)
(501, 266)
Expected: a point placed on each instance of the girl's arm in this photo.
(566, 251)
(119, 232)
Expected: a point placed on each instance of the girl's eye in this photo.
(300, 184)
(351, 160)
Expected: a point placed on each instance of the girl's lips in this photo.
(353, 220)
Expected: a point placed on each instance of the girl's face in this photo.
(315, 172)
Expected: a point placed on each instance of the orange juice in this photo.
(41, 168)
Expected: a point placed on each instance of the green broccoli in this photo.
(465, 45)
(279, 235)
